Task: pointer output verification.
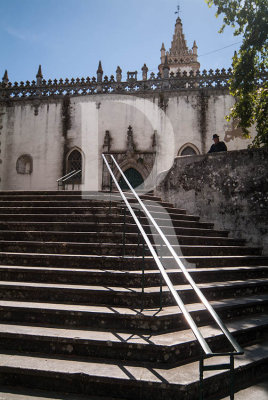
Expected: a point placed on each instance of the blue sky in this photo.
(69, 37)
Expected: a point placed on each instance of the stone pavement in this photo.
(257, 392)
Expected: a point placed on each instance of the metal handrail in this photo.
(195, 329)
(64, 176)
(71, 176)
(61, 181)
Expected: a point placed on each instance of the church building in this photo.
(51, 128)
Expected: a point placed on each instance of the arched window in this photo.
(134, 178)
(24, 164)
(188, 149)
(74, 163)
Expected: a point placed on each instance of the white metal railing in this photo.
(195, 329)
(64, 179)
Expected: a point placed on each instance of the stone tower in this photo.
(179, 57)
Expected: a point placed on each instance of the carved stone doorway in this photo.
(134, 178)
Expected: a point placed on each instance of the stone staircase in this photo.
(72, 325)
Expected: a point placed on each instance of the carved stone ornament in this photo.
(107, 144)
(131, 147)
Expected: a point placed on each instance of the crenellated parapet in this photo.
(41, 88)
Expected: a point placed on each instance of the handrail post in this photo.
(161, 280)
(143, 276)
(111, 189)
(231, 377)
(201, 376)
(139, 234)
(124, 231)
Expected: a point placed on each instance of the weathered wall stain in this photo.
(203, 109)
(233, 133)
(66, 125)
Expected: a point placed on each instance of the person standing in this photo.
(217, 146)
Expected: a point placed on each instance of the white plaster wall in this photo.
(218, 107)
(91, 116)
(37, 135)
(183, 113)
(42, 136)
(3, 117)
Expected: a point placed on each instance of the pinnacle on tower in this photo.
(99, 72)
(5, 78)
(39, 76)
(180, 57)
(163, 53)
(166, 62)
(166, 68)
(195, 49)
(39, 72)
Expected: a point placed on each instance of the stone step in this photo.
(82, 315)
(89, 210)
(103, 227)
(78, 197)
(127, 380)
(125, 297)
(82, 193)
(126, 278)
(100, 218)
(116, 249)
(123, 319)
(112, 237)
(171, 348)
(20, 393)
(152, 206)
(127, 263)
(107, 205)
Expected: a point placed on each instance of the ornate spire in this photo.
(99, 72)
(107, 141)
(163, 53)
(131, 147)
(166, 69)
(39, 72)
(195, 50)
(179, 56)
(5, 79)
(178, 44)
(39, 76)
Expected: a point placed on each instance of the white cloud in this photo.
(24, 35)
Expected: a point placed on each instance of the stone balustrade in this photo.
(217, 79)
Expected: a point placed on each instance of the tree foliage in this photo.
(248, 84)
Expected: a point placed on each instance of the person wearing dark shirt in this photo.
(217, 146)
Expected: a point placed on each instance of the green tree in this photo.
(248, 84)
